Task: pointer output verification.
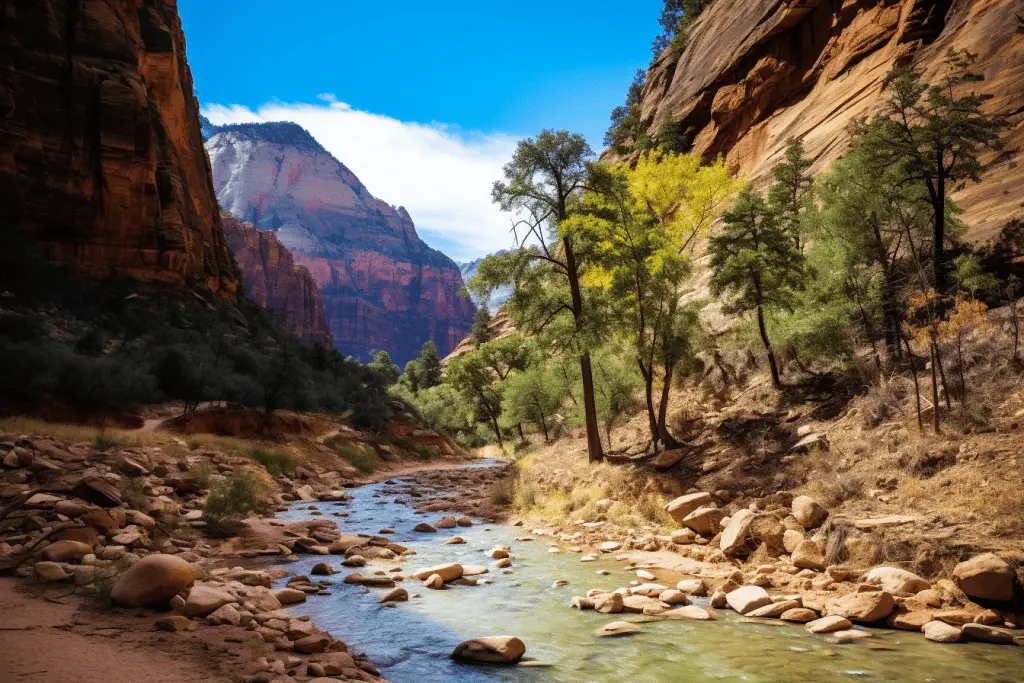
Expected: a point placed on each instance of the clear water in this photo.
(411, 643)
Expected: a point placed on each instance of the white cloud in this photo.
(442, 175)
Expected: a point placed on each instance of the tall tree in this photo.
(481, 332)
(429, 366)
(546, 177)
(789, 193)
(756, 262)
(934, 135)
(471, 376)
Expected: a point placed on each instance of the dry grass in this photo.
(558, 484)
(966, 493)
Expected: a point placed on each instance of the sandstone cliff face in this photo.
(382, 287)
(101, 157)
(757, 72)
(271, 279)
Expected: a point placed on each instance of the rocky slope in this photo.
(101, 157)
(271, 279)
(757, 72)
(382, 287)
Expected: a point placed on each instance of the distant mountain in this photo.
(382, 287)
(498, 296)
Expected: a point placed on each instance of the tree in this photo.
(617, 389)
(506, 355)
(934, 134)
(756, 261)
(676, 19)
(533, 395)
(382, 364)
(545, 178)
(789, 193)
(428, 367)
(625, 119)
(481, 332)
(471, 376)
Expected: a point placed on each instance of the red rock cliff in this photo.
(382, 287)
(756, 72)
(101, 155)
(271, 279)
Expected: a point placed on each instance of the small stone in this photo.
(434, 581)
(395, 595)
(987, 634)
(322, 569)
(682, 506)
(66, 551)
(617, 628)
(204, 600)
(424, 528)
(799, 615)
(941, 632)
(808, 512)
(848, 636)
(174, 624)
(829, 625)
(50, 571)
(289, 596)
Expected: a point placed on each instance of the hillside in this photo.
(382, 287)
(755, 73)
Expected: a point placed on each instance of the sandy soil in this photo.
(53, 637)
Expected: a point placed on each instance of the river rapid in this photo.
(412, 641)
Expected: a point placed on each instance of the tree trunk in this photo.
(917, 386)
(960, 363)
(939, 207)
(666, 437)
(942, 376)
(544, 426)
(776, 380)
(652, 418)
(594, 448)
(497, 432)
(935, 391)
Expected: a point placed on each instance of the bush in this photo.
(363, 459)
(236, 496)
(275, 462)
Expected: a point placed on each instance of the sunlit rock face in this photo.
(272, 279)
(381, 286)
(101, 154)
(756, 72)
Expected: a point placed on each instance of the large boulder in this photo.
(808, 512)
(734, 538)
(941, 632)
(152, 581)
(682, 506)
(864, 608)
(828, 625)
(704, 521)
(896, 580)
(987, 576)
(205, 600)
(668, 459)
(807, 555)
(447, 572)
(747, 599)
(491, 650)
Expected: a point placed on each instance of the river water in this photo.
(411, 643)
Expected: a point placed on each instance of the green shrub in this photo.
(104, 441)
(363, 459)
(235, 496)
(276, 462)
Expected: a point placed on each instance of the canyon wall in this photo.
(271, 279)
(756, 72)
(101, 155)
(381, 286)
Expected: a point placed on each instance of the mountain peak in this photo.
(283, 133)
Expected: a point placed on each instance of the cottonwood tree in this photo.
(934, 135)
(533, 395)
(546, 177)
(755, 262)
(474, 380)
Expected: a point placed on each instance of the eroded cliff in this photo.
(381, 286)
(101, 156)
(756, 72)
(271, 278)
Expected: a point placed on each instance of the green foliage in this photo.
(532, 396)
(625, 131)
(275, 462)
(481, 333)
(383, 365)
(236, 496)
(677, 17)
(507, 354)
(789, 194)
(475, 381)
(363, 458)
(429, 366)
(972, 278)
(444, 410)
(617, 383)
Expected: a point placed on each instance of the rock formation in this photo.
(382, 287)
(756, 72)
(271, 279)
(101, 157)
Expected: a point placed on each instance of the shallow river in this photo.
(410, 643)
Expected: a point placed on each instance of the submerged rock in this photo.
(491, 650)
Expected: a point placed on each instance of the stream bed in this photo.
(411, 642)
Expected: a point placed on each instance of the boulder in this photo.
(289, 596)
(673, 596)
(704, 520)
(808, 512)
(464, 521)
(395, 595)
(314, 644)
(747, 599)
(910, 621)
(896, 580)
(491, 650)
(799, 615)
(609, 546)
(434, 581)
(668, 459)
(679, 508)
(498, 553)
(808, 556)
(683, 536)
(774, 610)
(66, 551)
(734, 538)
(694, 587)
(335, 663)
(863, 608)
(322, 569)
(987, 576)
(608, 603)
(617, 628)
(204, 600)
(941, 632)
(152, 581)
(987, 634)
(691, 613)
(446, 523)
(848, 636)
(223, 616)
(50, 571)
(791, 538)
(447, 572)
(424, 528)
(829, 624)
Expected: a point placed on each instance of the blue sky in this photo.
(464, 80)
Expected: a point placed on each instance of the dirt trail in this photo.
(55, 641)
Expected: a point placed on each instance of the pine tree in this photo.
(481, 332)
(789, 193)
